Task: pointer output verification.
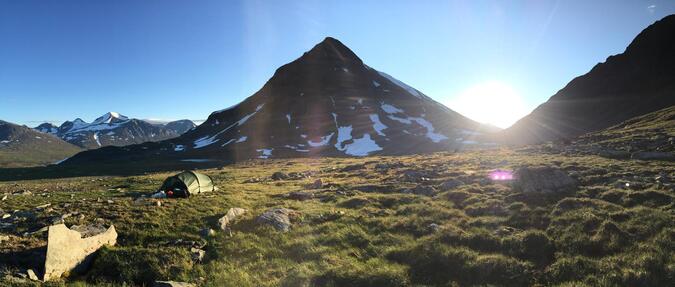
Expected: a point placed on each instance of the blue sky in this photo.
(65, 59)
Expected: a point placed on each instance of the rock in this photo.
(422, 190)
(279, 176)
(89, 230)
(300, 195)
(543, 180)
(172, 284)
(316, 184)
(68, 250)
(434, 227)
(232, 213)
(4, 197)
(653, 155)
(42, 207)
(4, 238)
(31, 275)
(197, 254)
(451, 184)
(414, 176)
(279, 218)
(207, 232)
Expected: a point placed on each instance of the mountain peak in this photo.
(331, 49)
(109, 117)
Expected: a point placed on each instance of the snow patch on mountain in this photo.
(324, 141)
(403, 85)
(378, 126)
(265, 152)
(362, 146)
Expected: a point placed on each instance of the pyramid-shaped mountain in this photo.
(639, 81)
(325, 103)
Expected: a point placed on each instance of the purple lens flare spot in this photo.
(501, 175)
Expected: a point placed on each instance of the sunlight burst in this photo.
(492, 102)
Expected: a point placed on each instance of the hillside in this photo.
(636, 82)
(21, 146)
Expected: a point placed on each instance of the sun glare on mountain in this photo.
(494, 102)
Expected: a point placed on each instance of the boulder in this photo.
(232, 213)
(279, 218)
(68, 250)
(422, 190)
(316, 184)
(543, 180)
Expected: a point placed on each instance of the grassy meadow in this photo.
(364, 227)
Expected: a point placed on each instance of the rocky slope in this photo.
(639, 81)
(325, 103)
(22, 146)
(114, 129)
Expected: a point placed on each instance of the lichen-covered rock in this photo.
(279, 218)
(66, 249)
(543, 180)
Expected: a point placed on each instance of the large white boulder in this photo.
(66, 249)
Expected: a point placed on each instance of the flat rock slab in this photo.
(66, 249)
(172, 284)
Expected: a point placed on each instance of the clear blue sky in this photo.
(65, 59)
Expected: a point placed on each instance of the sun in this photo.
(493, 102)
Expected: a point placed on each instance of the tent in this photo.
(187, 183)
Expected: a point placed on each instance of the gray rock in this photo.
(422, 190)
(316, 184)
(543, 180)
(300, 195)
(279, 176)
(279, 218)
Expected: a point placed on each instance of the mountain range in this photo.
(114, 129)
(328, 102)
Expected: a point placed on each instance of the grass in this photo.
(363, 228)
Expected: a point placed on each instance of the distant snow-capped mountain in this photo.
(114, 129)
(325, 103)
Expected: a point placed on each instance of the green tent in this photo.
(187, 183)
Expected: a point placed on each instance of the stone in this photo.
(433, 227)
(4, 238)
(352, 167)
(316, 184)
(451, 184)
(422, 190)
(67, 250)
(300, 195)
(279, 218)
(232, 213)
(89, 230)
(4, 197)
(653, 155)
(31, 275)
(279, 176)
(543, 180)
(172, 284)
